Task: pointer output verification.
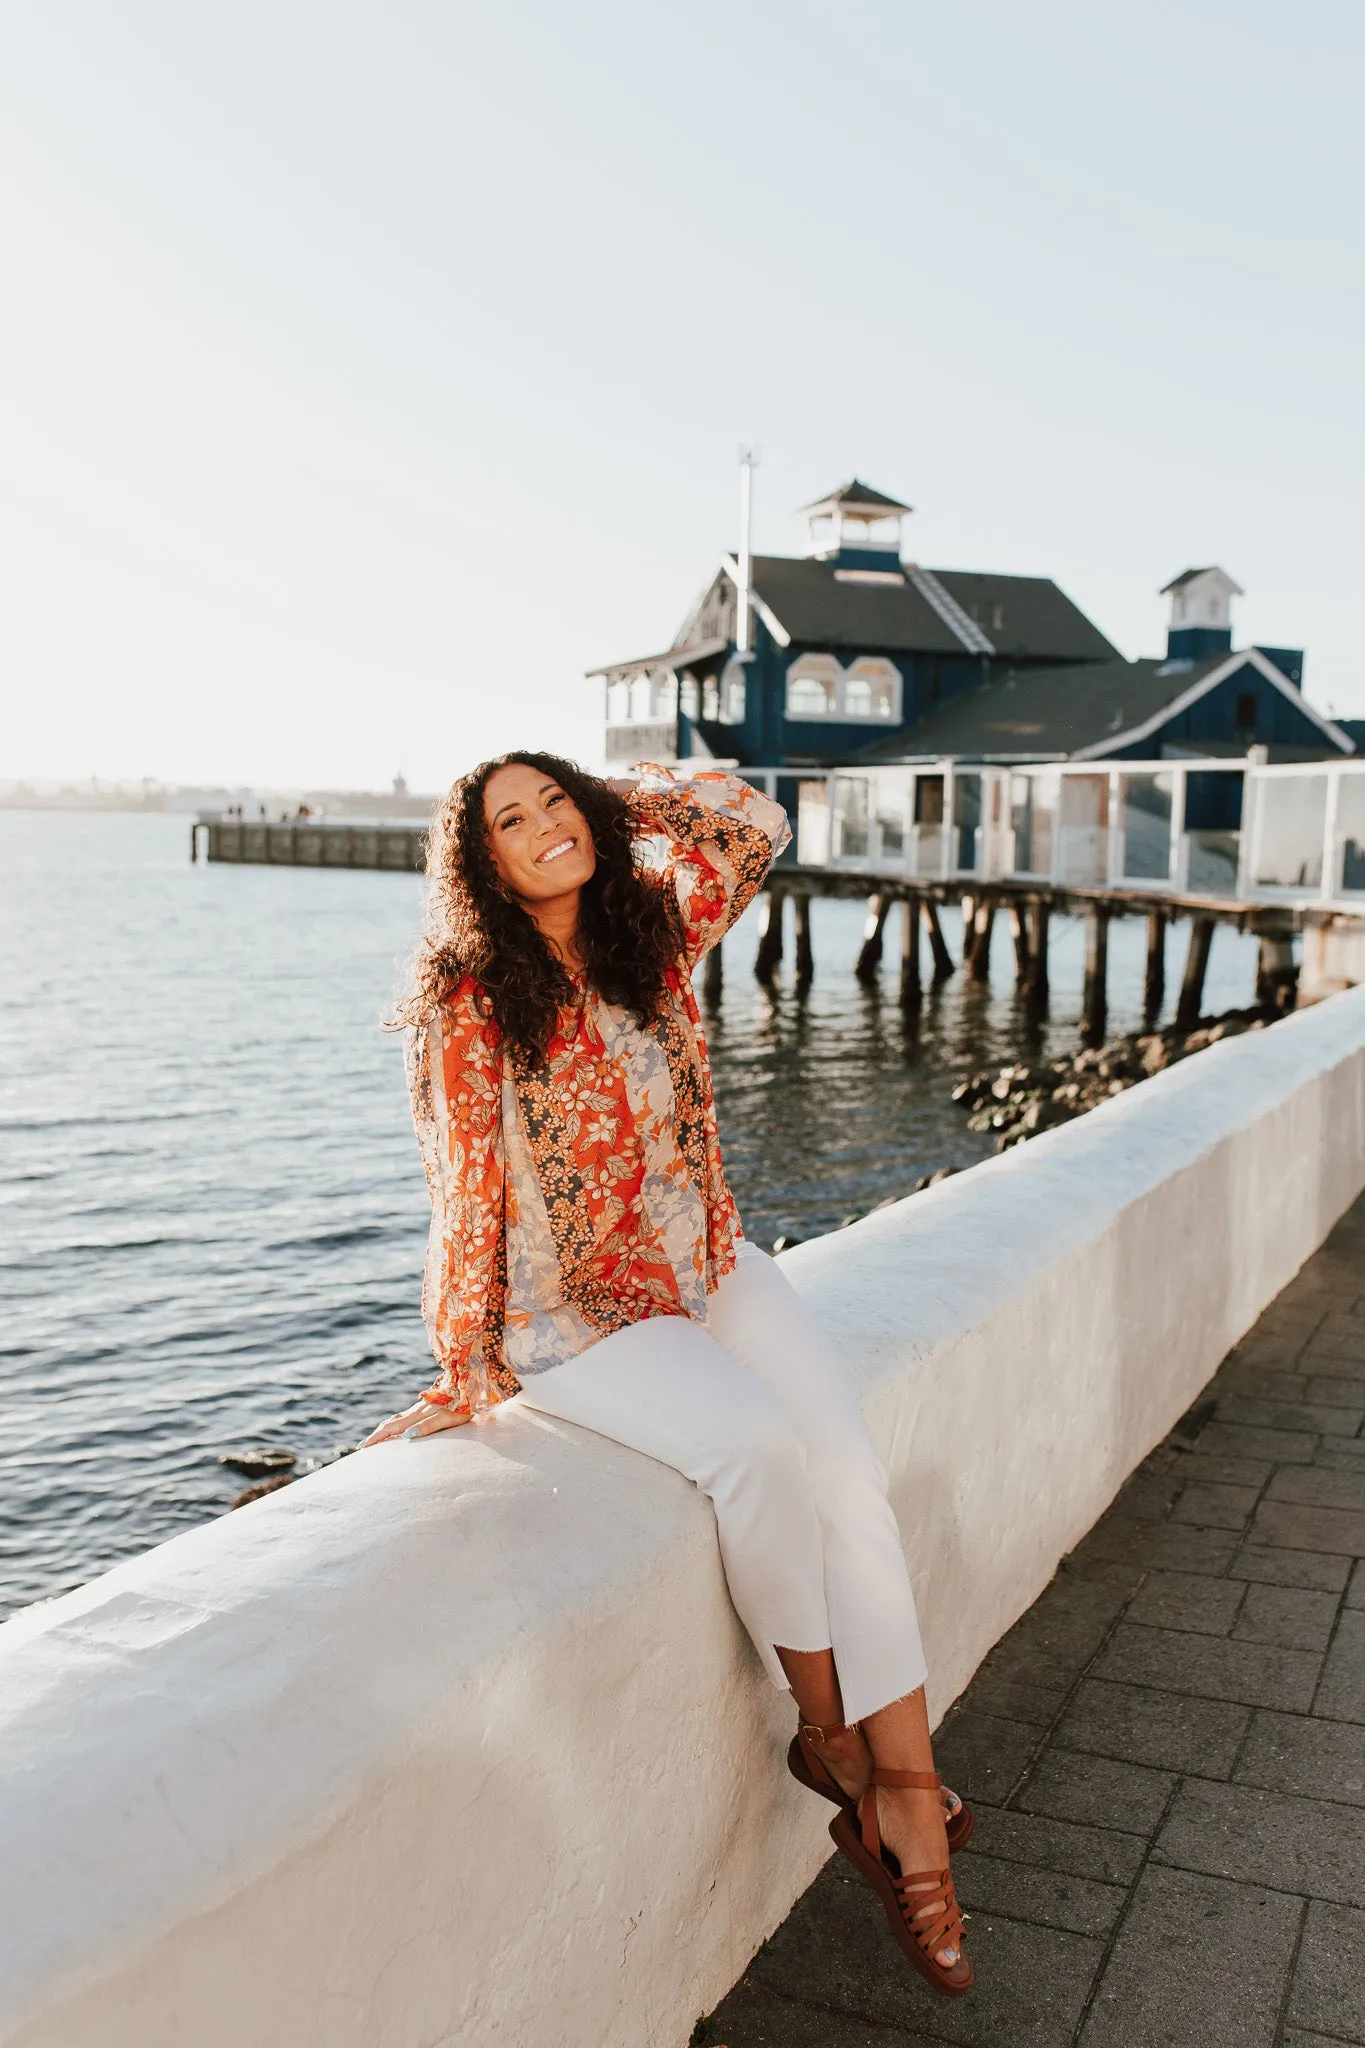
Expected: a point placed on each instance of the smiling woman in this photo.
(586, 1259)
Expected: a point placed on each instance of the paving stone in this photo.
(1197, 1964)
(1224, 1471)
(1272, 1838)
(1288, 1617)
(1268, 1386)
(1292, 1415)
(1309, 1487)
(836, 1951)
(1051, 1645)
(1162, 1729)
(758, 2016)
(1355, 1592)
(1300, 1753)
(1163, 1546)
(1314, 1570)
(1045, 1898)
(1215, 1507)
(995, 1692)
(1188, 1600)
(1320, 1360)
(1341, 1454)
(1034, 1838)
(1341, 1695)
(1146, 1495)
(1241, 1440)
(981, 1755)
(1210, 1667)
(1329, 1980)
(1335, 1392)
(1294, 2039)
(1288, 1526)
(1067, 1784)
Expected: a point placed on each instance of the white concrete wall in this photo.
(459, 1742)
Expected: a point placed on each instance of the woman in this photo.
(585, 1258)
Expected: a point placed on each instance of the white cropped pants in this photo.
(756, 1411)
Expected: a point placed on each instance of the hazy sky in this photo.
(369, 371)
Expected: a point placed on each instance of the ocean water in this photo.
(211, 1208)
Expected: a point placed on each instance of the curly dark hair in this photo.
(629, 928)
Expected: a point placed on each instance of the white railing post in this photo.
(1329, 835)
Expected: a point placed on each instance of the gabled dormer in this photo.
(858, 532)
(1201, 613)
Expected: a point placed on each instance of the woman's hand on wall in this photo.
(424, 1417)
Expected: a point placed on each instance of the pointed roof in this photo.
(857, 497)
(1193, 575)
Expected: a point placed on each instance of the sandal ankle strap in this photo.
(908, 1781)
(818, 1734)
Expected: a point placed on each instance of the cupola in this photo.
(1201, 613)
(858, 532)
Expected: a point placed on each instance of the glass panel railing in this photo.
(1351, 834)
(1291, 817)
(1145, 821)
(1211, 862)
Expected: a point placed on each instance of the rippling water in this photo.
(211, 1207)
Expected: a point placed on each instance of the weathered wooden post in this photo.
(1041, 912)
(938, 945)
(870, 953)
(713, 977)
(983, 925)
(1095, 1000)
(805, 958)
(769, 954)
(1277, 976)
(1023, 959)
(1154, 981)
(911, 991)
(1191, 1000)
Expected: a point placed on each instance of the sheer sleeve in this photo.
(455, 1078)
(720, 837)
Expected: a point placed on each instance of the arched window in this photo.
(872, 689)
(732, 693)
(813, 686)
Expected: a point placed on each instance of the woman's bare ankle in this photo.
(847, 1758)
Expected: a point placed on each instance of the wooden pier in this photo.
(305, 843)
(1029, 907)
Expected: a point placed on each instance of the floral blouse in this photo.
(589, 1194)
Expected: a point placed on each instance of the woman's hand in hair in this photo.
(425, 1417)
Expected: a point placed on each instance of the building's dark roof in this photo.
(1038, 621)
(1036, 618)
(856, 493)
(1185, 576)
(1049, 711)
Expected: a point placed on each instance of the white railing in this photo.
(1229, 829)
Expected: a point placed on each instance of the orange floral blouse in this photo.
(589, 1194)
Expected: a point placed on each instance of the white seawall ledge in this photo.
(460, 1742)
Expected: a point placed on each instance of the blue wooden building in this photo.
(853, 653)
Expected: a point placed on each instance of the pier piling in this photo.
(938, 945)
(1277, 976)
(769, 955)
(805, 958)
(1154, 981)
(713, 976)
(1019, 933)
(1041, 913)
(1191, 1000)
(911, 990)
(983, 925)
(870, 953)
(1095, 1000)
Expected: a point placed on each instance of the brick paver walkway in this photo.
(1166, 1754)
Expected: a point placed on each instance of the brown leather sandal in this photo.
(905, 1895)
(809, 1768)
